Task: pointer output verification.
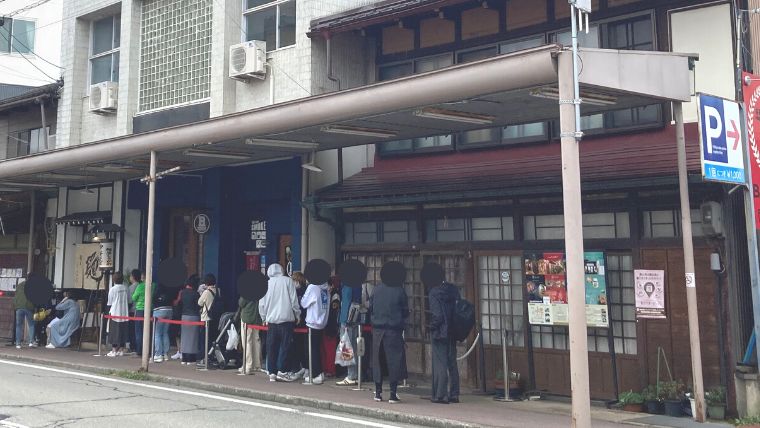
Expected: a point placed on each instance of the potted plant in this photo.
(652, 400)
(514, 384)
(631, 401)
(673, 393)
(716, 402)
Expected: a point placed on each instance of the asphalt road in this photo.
(35, 396)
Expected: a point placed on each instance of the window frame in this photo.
(114, 50)
(271, 4)
(12, 36)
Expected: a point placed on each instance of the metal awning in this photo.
(85, 218)
(510, 89)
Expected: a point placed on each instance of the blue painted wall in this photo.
(232, 197)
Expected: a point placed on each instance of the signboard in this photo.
(650, 293)
(201, 223)
(721, 142)
(259, 233)
(546, 289)
(106, 255)
(752, 107)
(584, 5)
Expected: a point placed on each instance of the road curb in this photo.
(292, 400)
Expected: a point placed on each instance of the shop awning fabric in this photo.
(85, 218)
(509, 89)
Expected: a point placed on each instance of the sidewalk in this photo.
(415, 408)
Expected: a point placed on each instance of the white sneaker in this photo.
(32, 345)
(177, 356)
(303, 373)
(120, 354)
(285, 377)
(319, 380)
(18, 346)
(111, 354)
(273, 377)
(158, 359)
(50, 346)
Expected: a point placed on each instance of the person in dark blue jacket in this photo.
(442, 297)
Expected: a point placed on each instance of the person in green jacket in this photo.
(24, 310)
(249, 314)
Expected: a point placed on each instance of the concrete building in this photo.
(426, 152)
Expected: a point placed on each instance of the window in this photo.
(371, 232)
(501, 299)
(667, 223)
(446, 230)
(595, 226)
(272, 21)
(17, 35)
(493, 229)
(22, 143)
(175, 53)
(104, 56)
(631, 34)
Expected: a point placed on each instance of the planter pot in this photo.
(716, 411)
(693, 404)
(654, 407)
(673, 408)
(639, 408)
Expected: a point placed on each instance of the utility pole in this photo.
(688, 258)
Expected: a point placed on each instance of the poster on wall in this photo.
(597, 312)
(259, 233)
(650, 293)
(546, 289)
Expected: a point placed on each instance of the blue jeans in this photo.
(161, 345)
(20, 315)
(279, 337)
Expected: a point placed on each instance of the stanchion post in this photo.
(100, 336)
(152, 347)
(482, 361)
(404, 384)
(244, 337)
(311, 368)
(358, 354)
(205, 348)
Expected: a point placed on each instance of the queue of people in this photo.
(329, 310)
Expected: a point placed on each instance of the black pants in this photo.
(316, 352)
(445, 370)
(279, 338)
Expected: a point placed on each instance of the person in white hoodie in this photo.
(279, 310)
(316, 301)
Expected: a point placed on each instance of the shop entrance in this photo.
(184, 241)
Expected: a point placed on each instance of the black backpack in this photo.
(463, 320)
(217, 307)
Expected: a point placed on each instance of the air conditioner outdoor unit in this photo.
(248, 60)
(104, 97)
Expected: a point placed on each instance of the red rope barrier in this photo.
(178, 322)
(366, 328)
(116, 317)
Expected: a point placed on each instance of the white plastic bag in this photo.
(344, 355)
(233, 339)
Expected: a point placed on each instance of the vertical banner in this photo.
(650, 293)
(752, 107)
(546, 289)
(597, 312)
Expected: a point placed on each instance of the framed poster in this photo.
(650, 293)
(546, 288)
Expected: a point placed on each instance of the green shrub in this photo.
(716, 396)
(650, 393)
(630, 397)
(672, 390)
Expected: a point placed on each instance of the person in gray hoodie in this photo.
(279, 310)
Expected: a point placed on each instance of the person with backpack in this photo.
(442, 298)
(212, 307)
(280, 311)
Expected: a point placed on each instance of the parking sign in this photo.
(722, 144)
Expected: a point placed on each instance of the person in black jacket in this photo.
(442, 297)
(389, 309)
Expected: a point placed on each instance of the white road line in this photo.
(191, 393)
(10, 424)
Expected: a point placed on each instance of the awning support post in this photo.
(573, 221)
(151, 179)
(688, 258)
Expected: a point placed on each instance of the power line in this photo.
(25, 8)
(30, 62)
(33, 52)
